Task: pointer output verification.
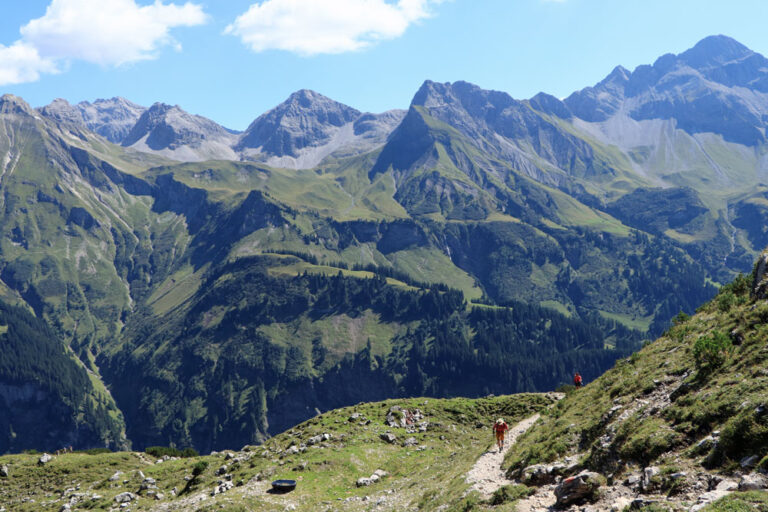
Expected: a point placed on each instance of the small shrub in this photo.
(189, 452)
(680, 318)
(725, 301)
(199, 468)
(741, 286)
(95, 451)
(712, 351)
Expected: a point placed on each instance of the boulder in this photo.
(125, 497)
(45, 459)
(542, 474)
(411, 441)
(363, 482)
(753, 482)
(647, 482)
(116, 476)
(577, 488)
(380, 473)
(4, 471)
(314, 440)
(374, 478)
(390, 438)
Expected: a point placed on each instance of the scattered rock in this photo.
(4, 471)
(125, 497)
(380, 473)
(222, 487)
(45, 459)
(577, 488)
(620, 504)
(374, 478)
(116, 476)
(65, 507)
(753, 482)
(292, 450)
(542, 474)
(363, 482)
(411, 441)
(221, 470)
(354, 417)
(641, 503)
(314, 440)
(390, 438)
(726, 486)
(647, 482)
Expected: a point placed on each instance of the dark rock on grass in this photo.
(577, 489)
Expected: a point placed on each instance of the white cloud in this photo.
(108, 32)
(310, 27)
(104, 32)
(20, 63)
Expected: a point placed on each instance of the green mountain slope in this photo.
(48, 400)
(254, 351)
(144, 271)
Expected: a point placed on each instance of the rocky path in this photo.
(486, 475)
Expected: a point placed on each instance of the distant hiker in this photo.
(500, 428)
(577, 380)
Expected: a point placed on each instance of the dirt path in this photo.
(486, 475)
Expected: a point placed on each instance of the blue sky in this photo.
(194, 53)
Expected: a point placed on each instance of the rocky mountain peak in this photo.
(715, 51)
(169, 127)
(10, 104)
(306, 118)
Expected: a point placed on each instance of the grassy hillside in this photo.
(693, 401)
(427, 473)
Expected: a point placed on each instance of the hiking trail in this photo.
(486, 475)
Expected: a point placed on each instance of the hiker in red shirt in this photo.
(500, 428)
(577, 380)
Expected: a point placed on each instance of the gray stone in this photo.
(374, 478)
(577, 488)
(727, 486)
(749, 462)
(648, 474)
(363, 482)
(45, 459)
(314, 440)
(380, 473)
(4, 471)
(390, 438)
(753, 482)
(125, 497)
(411, 441)
(293, 450)
(65, 507)
(116, 476)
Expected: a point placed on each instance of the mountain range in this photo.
(218, 287)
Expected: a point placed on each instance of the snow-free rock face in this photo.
(174, 133)
(307, 127)
(111, 118)
(718, 86)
